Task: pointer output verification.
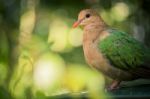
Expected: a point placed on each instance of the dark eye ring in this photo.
(87, 15)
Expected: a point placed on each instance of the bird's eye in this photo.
(88, 15)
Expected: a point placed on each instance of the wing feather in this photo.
(122, 50)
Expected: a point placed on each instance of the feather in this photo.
(122, 50)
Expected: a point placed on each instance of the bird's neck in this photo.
(92, 32)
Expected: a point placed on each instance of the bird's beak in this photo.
(76, 24)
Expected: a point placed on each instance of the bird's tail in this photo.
(142, 71)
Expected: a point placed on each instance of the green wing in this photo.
(122, 50)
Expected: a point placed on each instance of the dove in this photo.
(112, 52)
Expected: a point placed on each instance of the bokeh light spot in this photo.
(58, 35)
(49, 70)
(75, 37)
(120, 11)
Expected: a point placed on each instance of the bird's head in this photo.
(87, 17)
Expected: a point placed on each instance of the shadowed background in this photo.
(41, 55)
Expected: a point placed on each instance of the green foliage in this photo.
(4, 93)
(122, 50)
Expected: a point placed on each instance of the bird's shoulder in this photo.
(112, 35)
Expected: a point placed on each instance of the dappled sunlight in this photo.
(42, 56)
(48, 72)
(107, 17)
(120, 11)
(43, 71)
(44, 74)
(75, 37)
(80, 77)
(61, 34)
(58, 32)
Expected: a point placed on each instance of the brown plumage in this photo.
(94, 32)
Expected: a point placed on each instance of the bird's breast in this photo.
(88, 49)
(92, 55)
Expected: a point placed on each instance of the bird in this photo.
(112, 52)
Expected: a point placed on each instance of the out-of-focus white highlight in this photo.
(45, 74)
(48, 71)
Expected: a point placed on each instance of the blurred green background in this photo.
(41, 55)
